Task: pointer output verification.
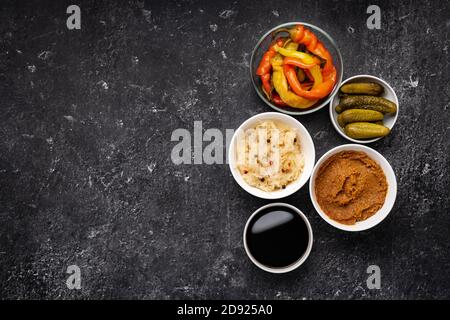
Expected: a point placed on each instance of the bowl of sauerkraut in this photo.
(271, 155)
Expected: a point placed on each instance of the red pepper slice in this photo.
(265, 66)
(317, 92)
(278, 101)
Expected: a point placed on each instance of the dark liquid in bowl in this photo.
(277, 237)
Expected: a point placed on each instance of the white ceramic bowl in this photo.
(389, 93)
(306, 144)
(390, 196)
(296, 264)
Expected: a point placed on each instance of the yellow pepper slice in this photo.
(304, 57)
(317, 75)
(291, 46)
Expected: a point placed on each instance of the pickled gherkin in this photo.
(366, 102)
(365, 130)
(367, 88)
(359, 115)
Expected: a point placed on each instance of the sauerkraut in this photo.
(269, 156)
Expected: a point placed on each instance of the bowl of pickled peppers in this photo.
(296, 68)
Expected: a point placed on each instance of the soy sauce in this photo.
(277, 237)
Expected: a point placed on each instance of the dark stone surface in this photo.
(85, 170)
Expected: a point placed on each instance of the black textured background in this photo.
(85, 172)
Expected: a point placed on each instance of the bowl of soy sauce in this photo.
(278, 238)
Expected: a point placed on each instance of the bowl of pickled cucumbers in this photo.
(364, 109)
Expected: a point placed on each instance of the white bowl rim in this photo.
(334, 121)
(391, 195)
(338, 82)
(280, 193)
(296, 264)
